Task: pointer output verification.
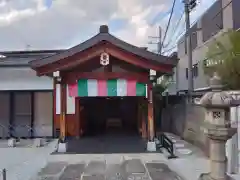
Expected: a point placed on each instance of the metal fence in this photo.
(26, 131)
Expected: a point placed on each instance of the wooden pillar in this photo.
(150, 115)
(139, 117)
(63, 112)
(143, 118)
(78, 117)
(144, 126)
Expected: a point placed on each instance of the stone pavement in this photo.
(100, 170)
(26, 163)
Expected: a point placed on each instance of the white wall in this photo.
(23, 78)
(70, 101)
(199, 53)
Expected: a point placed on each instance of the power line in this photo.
(175, 29)
(228, 4)
(168, 24)
(170, 49)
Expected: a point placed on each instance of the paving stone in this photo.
(95, 168)
(138, 177)
(115, 172)
(73, 172)
(93, 177)
(47, 178)
(157, 166)
(161, 171)
(52, 168)
(134, 166)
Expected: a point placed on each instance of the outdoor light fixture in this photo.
(56, 75)
(152, 75)
(59, 79)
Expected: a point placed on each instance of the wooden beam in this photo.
(82, 57)
(74, 76)
(138, 61)
(71, 62)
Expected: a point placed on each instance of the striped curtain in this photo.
(112, 87)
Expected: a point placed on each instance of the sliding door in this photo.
(22, 114)
(4, 114)
(43, 114)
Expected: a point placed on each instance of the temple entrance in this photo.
(111, 125)
(112, 116)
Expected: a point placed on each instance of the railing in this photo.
(25, 131)
(166, 143)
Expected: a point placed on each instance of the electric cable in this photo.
(175, 30)
(169, 21)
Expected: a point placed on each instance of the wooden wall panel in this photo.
(72, 120)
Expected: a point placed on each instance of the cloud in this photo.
(65, 23)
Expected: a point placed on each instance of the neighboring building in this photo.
(25, 99)
(64, 97)
(222, 15)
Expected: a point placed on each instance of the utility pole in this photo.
(159, 40)
(188, 6)
(159, 51)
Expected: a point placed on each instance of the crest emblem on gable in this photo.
(104, 59)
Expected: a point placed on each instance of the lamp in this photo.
(152, 75)
(57, 76)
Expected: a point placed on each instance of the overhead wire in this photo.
(169, 21)
(222, 9)
(175, 29)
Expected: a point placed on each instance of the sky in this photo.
(58, 24)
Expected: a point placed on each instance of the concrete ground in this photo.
(107, 169)
(24, 161)
(27, 163)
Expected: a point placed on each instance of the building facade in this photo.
(25, 99)
(221, 16)
(52, 93)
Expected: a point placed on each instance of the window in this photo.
(236, 19)
(185, 46)
(194, 36)
(212, 21)
(186, 73)
(195, 70)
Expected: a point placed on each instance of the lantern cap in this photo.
(216, 98)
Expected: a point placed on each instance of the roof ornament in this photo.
(104, 59)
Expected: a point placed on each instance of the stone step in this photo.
(73, 171)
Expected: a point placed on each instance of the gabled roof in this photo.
(104, 35)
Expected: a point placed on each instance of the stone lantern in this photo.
(217, 127)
